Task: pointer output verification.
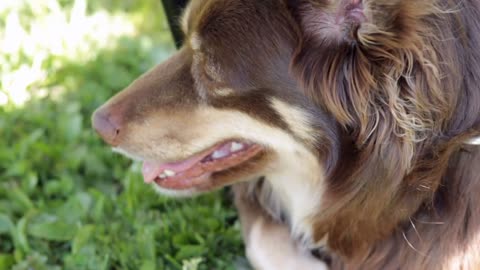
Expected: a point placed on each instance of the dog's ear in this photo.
(361, 59)
(377, 68)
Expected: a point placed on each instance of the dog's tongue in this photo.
(186, 173)
(151, 170)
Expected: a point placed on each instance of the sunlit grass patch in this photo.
(37, 39)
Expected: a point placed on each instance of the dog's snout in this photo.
(108, 127)
(166, 87)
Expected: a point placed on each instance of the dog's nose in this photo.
(106, 126)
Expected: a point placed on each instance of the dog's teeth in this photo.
(235, 147)
(169, 173)
(219, 154)
(162, 176)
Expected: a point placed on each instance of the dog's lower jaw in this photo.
(187, 193)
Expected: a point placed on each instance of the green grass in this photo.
(66, 201)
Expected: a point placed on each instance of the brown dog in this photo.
(341, 124)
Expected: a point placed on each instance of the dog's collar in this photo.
(473, 141)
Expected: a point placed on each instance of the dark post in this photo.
(173, 10)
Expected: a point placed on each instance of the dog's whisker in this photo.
(411, 245)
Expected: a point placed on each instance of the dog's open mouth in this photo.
(196, 171)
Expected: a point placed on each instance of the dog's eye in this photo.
(211, 71)
(207, 73)
(209, 67)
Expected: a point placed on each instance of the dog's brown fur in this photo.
(378, 108)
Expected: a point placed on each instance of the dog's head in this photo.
(340, 107)
(225, 109)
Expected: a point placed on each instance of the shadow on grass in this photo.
(67, 202)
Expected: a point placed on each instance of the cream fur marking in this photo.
(294, 181)
(473, 141)
(175, 193)
(195, 41)
(185, 18)
(296, 119)
(127, 154)
(223, 92)
(271, 248)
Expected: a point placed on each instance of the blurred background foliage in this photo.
(66, 201)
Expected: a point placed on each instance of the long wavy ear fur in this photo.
(386, 80)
